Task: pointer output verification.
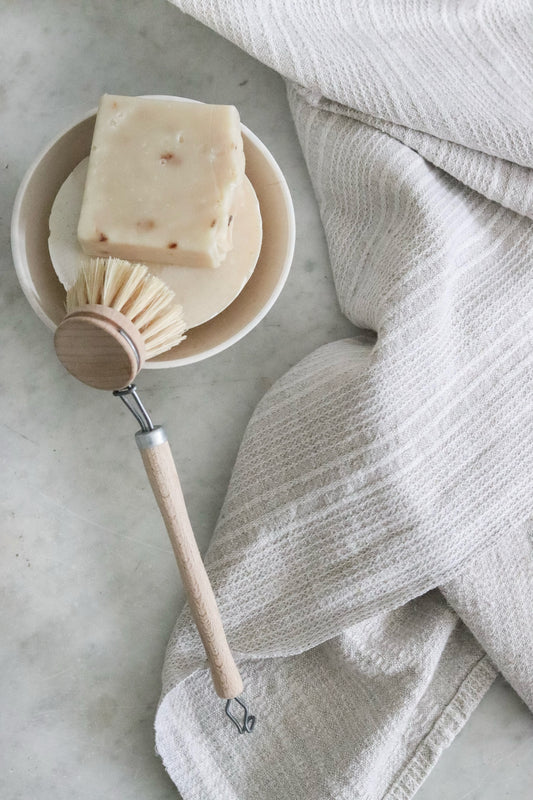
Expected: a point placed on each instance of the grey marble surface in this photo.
(88, 581)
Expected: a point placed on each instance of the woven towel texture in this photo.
(387, 465)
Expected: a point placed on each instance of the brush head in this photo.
(118, 315)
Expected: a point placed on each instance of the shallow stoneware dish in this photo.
(46, 295)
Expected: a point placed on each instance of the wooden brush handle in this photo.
(161, 471)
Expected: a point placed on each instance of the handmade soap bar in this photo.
(203, 293)
(162, 181)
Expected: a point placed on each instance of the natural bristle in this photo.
(129, 288)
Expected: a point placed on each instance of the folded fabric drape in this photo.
(375, 545)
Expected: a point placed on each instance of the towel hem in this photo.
(445, 729)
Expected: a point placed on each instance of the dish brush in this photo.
(118, 316)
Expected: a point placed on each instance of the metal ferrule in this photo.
(148, 439)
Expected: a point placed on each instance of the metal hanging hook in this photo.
(248, 721)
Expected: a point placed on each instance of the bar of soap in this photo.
(162, 181)
(203, 293)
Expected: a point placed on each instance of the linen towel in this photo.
(374, 548)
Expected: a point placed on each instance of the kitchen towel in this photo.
(373, 559)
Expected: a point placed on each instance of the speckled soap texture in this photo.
(90, 590)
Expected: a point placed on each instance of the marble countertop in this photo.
(89, 585)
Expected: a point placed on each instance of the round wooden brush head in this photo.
(118, 315)
(100, 347)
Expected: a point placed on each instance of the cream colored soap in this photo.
(162, 181)
(203, 293)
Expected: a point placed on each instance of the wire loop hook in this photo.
(248, 720)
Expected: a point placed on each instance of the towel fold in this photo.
(375, 541)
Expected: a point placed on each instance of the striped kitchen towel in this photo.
(374, 550)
